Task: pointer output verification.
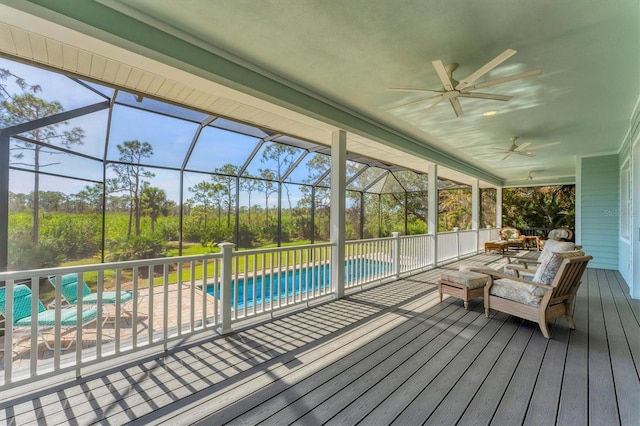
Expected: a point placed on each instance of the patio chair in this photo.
(512, 236)
(557, 234)
(69, 292)
(46, 318)
(526, 268)
(550, 295)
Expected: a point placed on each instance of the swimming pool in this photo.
(299, 282)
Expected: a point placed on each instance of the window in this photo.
(625, 201)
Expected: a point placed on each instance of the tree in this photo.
(52, 201)
(268, 188)
(539, 207)
(91, 197)
(130, 174)
(250, 185)
(454, 209)
(6, 74)
(18, 202)
(282, 157)
(27, 107)
(203, 194)
(319, 200)
(153, 202)
(227, 177)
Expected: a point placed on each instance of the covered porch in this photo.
(368, 342)
(386, 354)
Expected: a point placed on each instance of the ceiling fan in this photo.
(529, 177)
(453, 89)
(517, 149)
(522, 149)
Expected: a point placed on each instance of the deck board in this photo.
(602, 398)
(625, 375)
(388, 354)
(549, 382)
(353, 365)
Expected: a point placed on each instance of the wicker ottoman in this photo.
(500, 246)
(464, 285)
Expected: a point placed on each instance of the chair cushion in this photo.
(465, 278)
(551, 246)
(21, 302)
(557, 234)
(519, 292)
(510, 233)
(108, 298)
(548, 269)
(68, 318)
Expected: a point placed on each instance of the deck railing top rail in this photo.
(27, 274)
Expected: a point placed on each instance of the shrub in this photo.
(23, 255)
(137, 247)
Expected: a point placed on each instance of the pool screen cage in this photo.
(126, 163)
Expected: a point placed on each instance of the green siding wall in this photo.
(600, 206)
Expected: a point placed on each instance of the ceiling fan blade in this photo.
(544, 146)
(427, 109)
(457, 108)
(442, 73)
(502, 80)
(506, 156)
(413, 102)
(486, 68)
(408, 89)
(485, 96)
(520, 148)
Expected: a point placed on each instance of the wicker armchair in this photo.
(512, 236)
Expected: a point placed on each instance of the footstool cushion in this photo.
(465, 278)
(464, 285)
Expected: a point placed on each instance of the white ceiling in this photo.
(346, 53)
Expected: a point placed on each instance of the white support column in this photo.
(432, 210)
(475, 210)
(396, 254)
(337, 225)
(499, 207)
(225, 287)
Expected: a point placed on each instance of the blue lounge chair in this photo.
(46, 319)
(69, 292)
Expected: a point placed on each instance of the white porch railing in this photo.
(267, 280)
(368, 260)
(158, 301)
(448, 246)
(486, 234)
(415, 252)
(468, 244)
(456, 244)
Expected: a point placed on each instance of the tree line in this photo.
(212, 212)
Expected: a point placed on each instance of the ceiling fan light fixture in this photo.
(490, 113)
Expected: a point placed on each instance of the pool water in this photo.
(298, 282)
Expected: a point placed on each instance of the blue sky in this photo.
(169, 137)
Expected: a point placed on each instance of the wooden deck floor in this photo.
(387, 355)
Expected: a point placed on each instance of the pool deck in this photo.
(21, 349)
(388, 354)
